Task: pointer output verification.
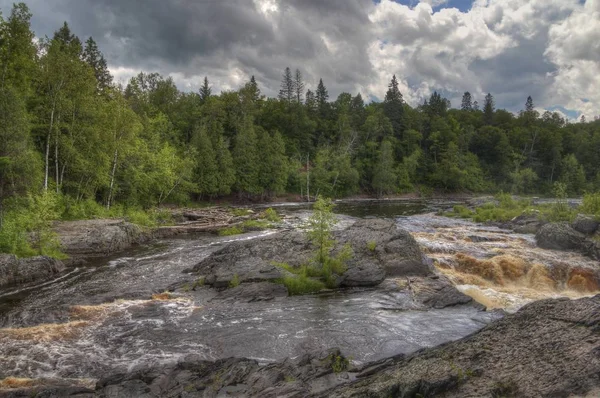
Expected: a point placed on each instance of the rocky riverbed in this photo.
(395, 323)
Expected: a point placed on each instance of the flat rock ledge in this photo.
(549, 348)
(15, 271)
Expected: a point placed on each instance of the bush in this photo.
(591, 204)
(371, 245)
(298, 285)
(235, 281)
(230, 231)
(250, 225)
(271, 215)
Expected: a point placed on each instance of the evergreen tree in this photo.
(385, 180)
(17, 50)
(311, 101)
(488, 110)
(226, 175)
(529, 104)
(475, 105)
(246, 159)
(205, 90)
(68, 42)
(298, 87)
(207, 170)
(466, 104)
(94, 58)
(287, 91)
(393, 107)
(322, 97)
(273, 171)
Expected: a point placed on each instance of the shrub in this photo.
(250, 225)
(301, 284)
(591, 204)
(271, 215)
(371, 245)
(240, 212)
(235, 281)
(235, 230)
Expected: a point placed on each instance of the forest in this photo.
(74, 143)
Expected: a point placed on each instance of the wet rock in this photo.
(381, 249)
(549, 348)
(528, 223)
(438, 292)
(585, 224)
(15, 271)
(250, 292)
(94, 238)
(561, 236)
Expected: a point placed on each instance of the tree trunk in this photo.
(307, 178)
(56, 169)
(47, 168)
(112, 178)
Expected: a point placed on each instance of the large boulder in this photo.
(95, 238)
(559, 236)
(380, 248)
(15, 271)
(585, 224)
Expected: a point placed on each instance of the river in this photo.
(103, 318)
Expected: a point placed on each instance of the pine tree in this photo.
(475, 105)
(246, 159)
(488, 109)
(393, 107)
(205, 90)
(273, 169)
(384, 176)
(207, 171)
(529, 105)
(466, 104)
(298, 86)
(311, 101)
(69, 43)
(226, 175)
(287, 92)
(322, 97)
(94, 58)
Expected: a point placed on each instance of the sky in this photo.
(549, 49)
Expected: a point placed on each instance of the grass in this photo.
(230, 231)
(235, 281)
(591, 204)
(237, 212)
(271, 215)
(371, 245)
(505, 208)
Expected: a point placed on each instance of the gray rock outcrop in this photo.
(15, 271)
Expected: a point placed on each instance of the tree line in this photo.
(67, 128)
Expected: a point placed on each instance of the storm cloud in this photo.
(512, 48)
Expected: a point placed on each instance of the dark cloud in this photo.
(500, 46)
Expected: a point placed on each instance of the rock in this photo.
(95, 238)
(585, 224)
(395, 253)
(364, 274)
(250, 292)
(528, 223)
(439, 292)
(15, 271)
(549, 348)
(559, 236)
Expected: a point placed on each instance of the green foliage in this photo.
(301, 284)
(591, 204)
(253, 225)
(319, 228)
(230, 231)
(339, 363)
(271, 215)
(371, 245)
(240, 212)
(235, 281)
